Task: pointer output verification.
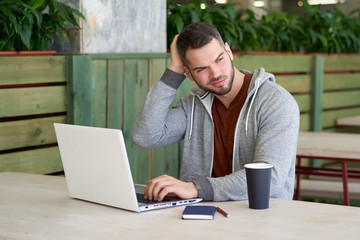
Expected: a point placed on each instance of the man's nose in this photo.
(215, 72)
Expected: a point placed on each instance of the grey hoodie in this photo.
(266, 131)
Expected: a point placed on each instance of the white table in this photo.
(349, 121)
(38, 207)
(342, 147)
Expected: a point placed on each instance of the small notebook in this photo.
(199, 212)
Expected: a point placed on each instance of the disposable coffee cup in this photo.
(258, 177)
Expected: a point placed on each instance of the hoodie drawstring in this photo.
(257, 84)
(192, 117)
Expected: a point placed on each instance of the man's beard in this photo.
(221, 90)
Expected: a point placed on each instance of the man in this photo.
(231, 118)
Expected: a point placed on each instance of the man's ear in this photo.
(228, 50)
(188, 74)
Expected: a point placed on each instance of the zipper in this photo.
(212, 135)
(251, 93)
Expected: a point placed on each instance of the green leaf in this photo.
(36, 3)
(25, 34)
(66, 12)
(274, 31)
(194, 16)
(179, 24)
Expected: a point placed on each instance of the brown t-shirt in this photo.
(224, 129)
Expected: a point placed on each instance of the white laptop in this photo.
(97, 169)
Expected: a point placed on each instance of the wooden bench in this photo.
(339, 147)
(328, 188)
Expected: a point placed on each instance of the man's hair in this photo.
(196, 35)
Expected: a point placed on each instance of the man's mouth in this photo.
(219, 82)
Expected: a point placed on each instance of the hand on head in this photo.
(176, 64)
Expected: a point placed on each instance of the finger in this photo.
(149, 190)
(165, 191)
(176, 64)
(173, 43)
(161, 183)
(146, 192)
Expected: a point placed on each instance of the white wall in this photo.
(123, 26)
(117, 26)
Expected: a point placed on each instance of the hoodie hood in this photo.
(259, 76)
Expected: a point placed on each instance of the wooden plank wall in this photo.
(32, 98)
(326, 87)
(341, 91)
(107, 91)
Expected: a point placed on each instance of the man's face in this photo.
(211, 67)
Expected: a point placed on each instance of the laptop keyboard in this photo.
(141, 199)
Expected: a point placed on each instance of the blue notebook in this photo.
(199, 212)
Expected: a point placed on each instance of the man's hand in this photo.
(159, 187)
(176, 64)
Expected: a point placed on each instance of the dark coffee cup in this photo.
(258, 177)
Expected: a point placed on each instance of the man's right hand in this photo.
(165, 185)
(176, 64)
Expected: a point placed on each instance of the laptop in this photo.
(97, 169)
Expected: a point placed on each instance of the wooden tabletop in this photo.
(38, 207)
(323, 144)
(349, 121)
